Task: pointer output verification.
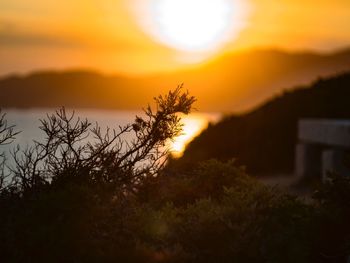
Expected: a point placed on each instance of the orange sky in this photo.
(106, 34)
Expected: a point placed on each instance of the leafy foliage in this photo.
(221, 213)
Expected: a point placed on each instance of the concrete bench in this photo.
(322, 147)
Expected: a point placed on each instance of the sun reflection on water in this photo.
(193, 125)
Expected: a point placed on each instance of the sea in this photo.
(27, 123)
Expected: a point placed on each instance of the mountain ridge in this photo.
(232, 83)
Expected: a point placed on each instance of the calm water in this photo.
(28, 121)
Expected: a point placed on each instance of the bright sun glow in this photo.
(194, 25)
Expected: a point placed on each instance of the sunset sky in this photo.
(138, 36)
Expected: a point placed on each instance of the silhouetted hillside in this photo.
(264, 139)
(232, 83)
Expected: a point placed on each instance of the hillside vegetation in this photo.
(264, 139)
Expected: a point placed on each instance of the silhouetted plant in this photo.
(75, 148)
(7, 135)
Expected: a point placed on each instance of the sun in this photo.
(194, 25)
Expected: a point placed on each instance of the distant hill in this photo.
(264, 139)
(233, 83)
